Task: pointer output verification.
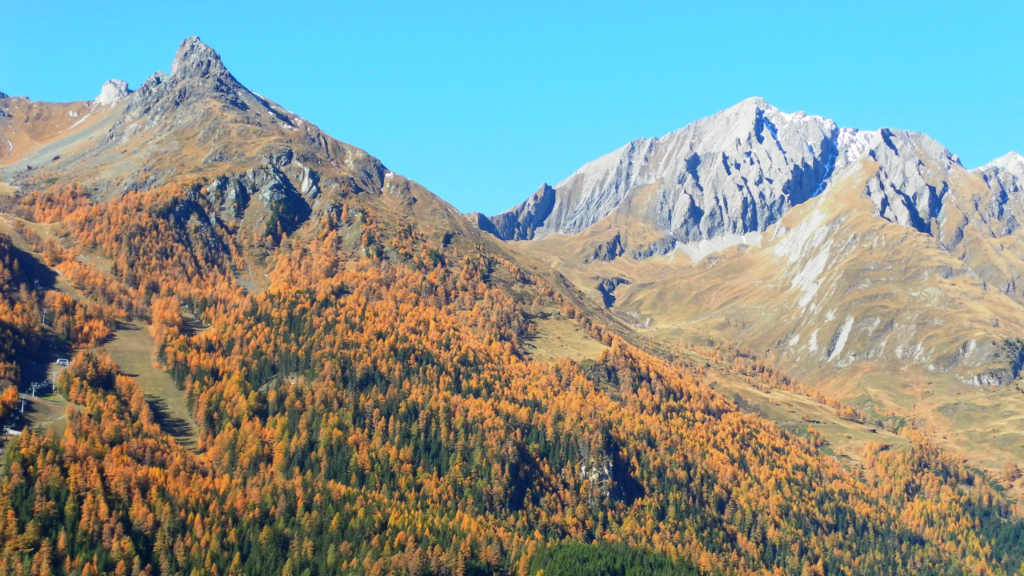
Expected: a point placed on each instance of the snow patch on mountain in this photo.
(854, 144)
(840, 339)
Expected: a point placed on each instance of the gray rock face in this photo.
(310, 187)
(1005, 177)
(196, 60)
(231, 194)
(113, 91)
(273, 190)
(737, 172)
(521, 222)
(732, 173)
(913, 176)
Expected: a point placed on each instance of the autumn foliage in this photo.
(374, 410)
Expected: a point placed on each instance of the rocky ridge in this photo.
(1005, 177)
(737, 172)
(838, 249)
(265, 168)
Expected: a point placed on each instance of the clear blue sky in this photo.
(482, 101)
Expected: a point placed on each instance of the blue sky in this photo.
(482, 101)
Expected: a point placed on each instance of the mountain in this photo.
(732, 173)
(869, 262)
(1005, 177)
(279, 357)
(737, 172)
(195, 120)
(263, 164)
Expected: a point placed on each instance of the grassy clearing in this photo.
(132, 349)
(793, 411)
(49, 412)
(558, 338)
(985, 425)
(796, 412)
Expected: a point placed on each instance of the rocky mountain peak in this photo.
(113, 91)
(1005, 177)
(168, 101)
(1012, 162)
(746, 111)
(757, 117)
(750, 108)
(731, 173)
(197, 115)
(738, 171)
(196, 60)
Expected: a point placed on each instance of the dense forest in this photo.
(373, 409)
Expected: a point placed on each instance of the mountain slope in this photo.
(890, 278)
(724, 179)
(262, 165)
(357, 361)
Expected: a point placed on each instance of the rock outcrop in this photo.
(521, 223)
(196, 60)
(113, 91)
(1005, 177)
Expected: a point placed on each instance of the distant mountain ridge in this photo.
(738, 171)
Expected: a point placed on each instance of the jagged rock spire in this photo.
(196, 60)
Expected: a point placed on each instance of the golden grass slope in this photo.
(871, 312)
